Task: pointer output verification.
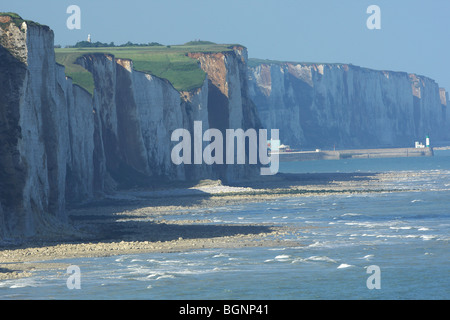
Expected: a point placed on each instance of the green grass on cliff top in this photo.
(167, 62)
(18, 20)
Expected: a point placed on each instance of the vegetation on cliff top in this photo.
(17, 20)
(167, 62)
(98, 44)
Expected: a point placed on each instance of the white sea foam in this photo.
(138, 270)
(170, 262)
(427, 237)
(344, 265)
(320, 258)
(19, 285)
(23, 283)
(155, 275)
(122, 258)
(195, 271)
(399, 236)
(400, 228)
(170, 276)
(282, 257)
(319, 244)
(355, 224)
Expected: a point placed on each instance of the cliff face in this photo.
(135, 115)
(138, 112)
(39, 110)
(229, 103)
(60, 145)
(322, 105)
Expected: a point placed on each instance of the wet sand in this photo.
(136, 221)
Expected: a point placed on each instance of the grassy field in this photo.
(17, 20)
(168, 62)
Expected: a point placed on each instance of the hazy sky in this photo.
(414, 35)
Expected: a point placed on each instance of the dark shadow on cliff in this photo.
(13, 169)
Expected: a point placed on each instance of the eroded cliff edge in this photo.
(327, 105)
(61, 145)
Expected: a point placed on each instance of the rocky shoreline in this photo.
(137, 221)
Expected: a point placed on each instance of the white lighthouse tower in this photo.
(89, 38)
(427, 142)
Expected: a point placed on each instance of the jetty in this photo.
(286, 156)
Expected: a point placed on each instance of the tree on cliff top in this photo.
(98, 44)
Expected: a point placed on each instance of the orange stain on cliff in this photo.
(214, 65)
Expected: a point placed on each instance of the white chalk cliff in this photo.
(327, 105)
(60, 144)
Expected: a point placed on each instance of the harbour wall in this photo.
(355, 154)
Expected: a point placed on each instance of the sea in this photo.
(381, 246)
